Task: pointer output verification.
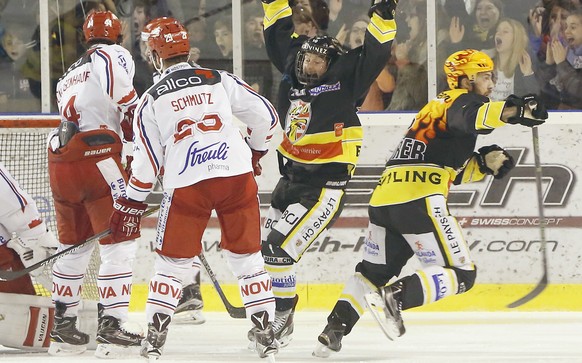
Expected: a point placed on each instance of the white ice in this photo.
(430, 337)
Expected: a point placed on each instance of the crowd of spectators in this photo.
(536, 44)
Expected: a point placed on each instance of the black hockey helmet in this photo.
(325, 47)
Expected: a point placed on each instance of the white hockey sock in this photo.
(190, 277)
(164, 294)
(354, 291)
(257, 295)
(68, 274)
(114, 280)
(284, 280)
(437, 282)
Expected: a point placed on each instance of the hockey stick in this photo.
(234, 311)
(12, 275)
(544, 281)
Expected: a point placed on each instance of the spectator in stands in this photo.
(563, 67)
(513, 64)
(480, 31)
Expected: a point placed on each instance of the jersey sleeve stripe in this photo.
(146, 141)
(268, 105)
(19, 196)
(131, 96)
(108, 70)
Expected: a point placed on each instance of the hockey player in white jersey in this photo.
(185, 124)
(189, 309)
(95, 98)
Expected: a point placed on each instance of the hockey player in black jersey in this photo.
(408, 212)
(322, 137)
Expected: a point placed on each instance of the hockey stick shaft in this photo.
(13, 275)
(233, 311)
(538, 173)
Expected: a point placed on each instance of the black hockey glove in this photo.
(386, 9)
(493, 160)
(531, 110)
(267, 1)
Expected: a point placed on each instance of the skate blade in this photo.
(283, 342)
(270, 358)
(194, 317)
(114, 351)
(321, 351)
(376, 307)
(65, 349)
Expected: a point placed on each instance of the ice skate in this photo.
(282, 326)
(113, 340)
(330, 340)
(153, 345)
(386, 307)
(264, 337)
(65, 338)
(189, 309)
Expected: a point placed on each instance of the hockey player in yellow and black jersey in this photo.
(322, 137)
(408, 212)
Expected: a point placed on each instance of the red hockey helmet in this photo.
(102, 25)
(169, 40)
(147, 29)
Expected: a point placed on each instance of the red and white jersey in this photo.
(97, 89)
(185, 124)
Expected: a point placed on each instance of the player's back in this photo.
(93, 90)
(194, 114)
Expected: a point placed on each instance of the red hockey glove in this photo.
(257, 155)
(126, 219)
(128, 160)
(127, 124)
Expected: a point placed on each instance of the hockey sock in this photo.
(164, 294)
(115, 276)
(68, 274)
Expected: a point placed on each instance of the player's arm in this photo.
(256, 112)
(278, 32)
(488, 160)
(367, 62)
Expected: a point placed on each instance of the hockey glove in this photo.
(531, 110)
(128, 160)
(386, 9)
(125, 220)
(34, 245)
(493, 160)
(127, 124)
(257, 155)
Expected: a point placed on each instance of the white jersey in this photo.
(12, 198)
(97, 89)
(185, 124)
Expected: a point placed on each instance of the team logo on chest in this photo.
(298, 119)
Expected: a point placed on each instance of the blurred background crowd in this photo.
(536, 44)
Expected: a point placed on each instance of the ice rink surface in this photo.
(430, 337)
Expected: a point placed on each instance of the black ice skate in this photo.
(113, 340)
(189, 309)
(65, 338)
(386, 306)
(283, 324)
(153, 345)
(264, 337)
(330, 340)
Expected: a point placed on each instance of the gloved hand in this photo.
(494, 160)
(386, 9)
(128, 160)
(531, 110)
(125, 221)
(34, 245)
(127, 124)
(257, 155)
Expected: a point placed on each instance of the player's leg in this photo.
(307, 212)
(189, 309)
(184, 214)
(384, 255)
(447, 268)
(239, 218)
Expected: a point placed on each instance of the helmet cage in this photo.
(325, 47)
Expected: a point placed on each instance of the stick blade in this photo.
(541, 286)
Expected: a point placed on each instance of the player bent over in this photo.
(96, 99)
(24, 241)
(408, 212)
(321, 141)
(184, 124)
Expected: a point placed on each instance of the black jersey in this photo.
(322, 132)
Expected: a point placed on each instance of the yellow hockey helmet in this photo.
(467, 63)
